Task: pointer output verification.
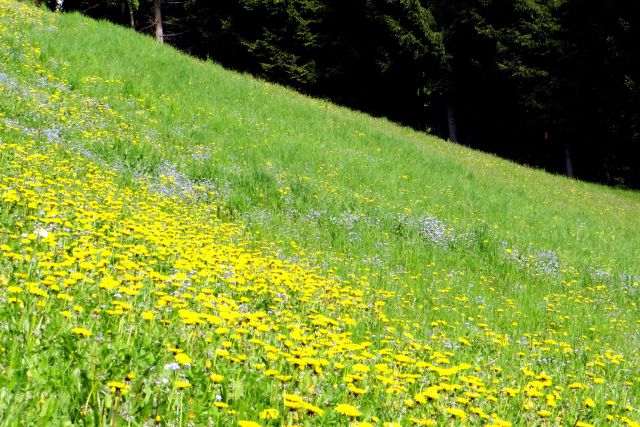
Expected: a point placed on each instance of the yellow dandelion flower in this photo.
(216, 378)
(359, 367)
(181, 385)
(81, 331)
(511, 392)
(183, 359)
(355, 390)
(457, 413)
(37, 291)
(269, 414)
(498, 422)
(293, 404)
(464, 341)
(244, 423)
(629, 422)
(347, 410)
(312, 409)
(147, 315)
(118, 387)
(109, 283)
(292, 397)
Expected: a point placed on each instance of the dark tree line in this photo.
(552, 83)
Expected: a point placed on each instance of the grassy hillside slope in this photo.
(183, 244)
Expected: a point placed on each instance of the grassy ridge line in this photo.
(452, 325)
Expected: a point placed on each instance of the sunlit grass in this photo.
(185, 245)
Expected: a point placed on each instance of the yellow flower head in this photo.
(457, 413)
(118, 387)
(216, 378)
(269, 414)
(348, 410)
(181, 385)
(182, 358)
(81, 331)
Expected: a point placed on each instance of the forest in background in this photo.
(548, 83)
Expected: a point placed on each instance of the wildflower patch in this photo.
(126, 297)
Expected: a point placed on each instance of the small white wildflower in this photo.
(41, 232)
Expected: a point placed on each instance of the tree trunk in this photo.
(157, 20)
(567, 161)
(132, 20)
(451, 120)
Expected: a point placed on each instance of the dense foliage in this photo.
(552, 83)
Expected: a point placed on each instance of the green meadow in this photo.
(182, 245)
